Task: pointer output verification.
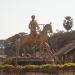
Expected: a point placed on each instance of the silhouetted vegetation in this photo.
(68, 23)
(61, 38)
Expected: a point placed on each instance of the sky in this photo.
(15, 15)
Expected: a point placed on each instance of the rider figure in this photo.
(33, 25)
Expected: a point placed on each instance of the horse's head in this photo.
(48, 28)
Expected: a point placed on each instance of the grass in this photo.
(43, 66)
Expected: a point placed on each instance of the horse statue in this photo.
(27, 40)
(40, 40)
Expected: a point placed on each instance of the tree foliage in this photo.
(60, 39)
(68, 23)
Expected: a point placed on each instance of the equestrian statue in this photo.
(39, 39)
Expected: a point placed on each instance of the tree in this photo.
(68, 23)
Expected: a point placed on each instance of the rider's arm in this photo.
(37, 25)
(30, 25)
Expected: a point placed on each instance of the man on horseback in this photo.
(33, 25)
